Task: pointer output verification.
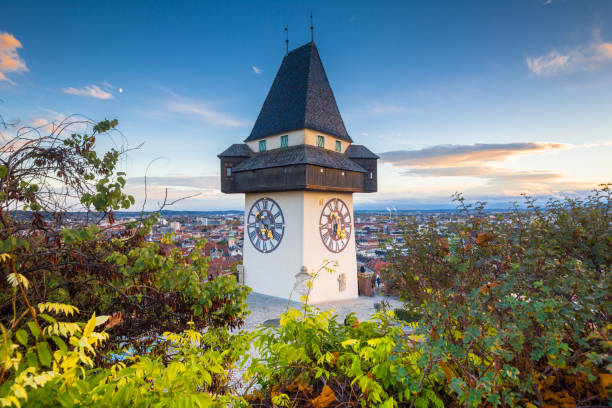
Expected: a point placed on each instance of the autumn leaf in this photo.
(324, 399)
(115, 319)
(605, 382)
(443, 245)
(483, 239)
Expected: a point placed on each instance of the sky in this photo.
(489, 98)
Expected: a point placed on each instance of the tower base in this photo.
(281, 273)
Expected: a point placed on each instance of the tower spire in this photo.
(311, 29)
(286, 40)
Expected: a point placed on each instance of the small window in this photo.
(338, 146)
(371, 175)
(285, 141)
(228, 172)
(320, 141)
(262, 145)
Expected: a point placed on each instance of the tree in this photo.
(85, 258)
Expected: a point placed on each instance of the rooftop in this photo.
(300, 98)
(300, 154)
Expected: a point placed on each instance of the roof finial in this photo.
(311, 29)
(287, 40)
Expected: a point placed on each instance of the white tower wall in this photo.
(274, 273)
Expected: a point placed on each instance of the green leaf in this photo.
(22, 337)
(60, 343)
(44, 354)
(34, 329)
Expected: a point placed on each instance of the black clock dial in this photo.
(265, 225)
(335, 225)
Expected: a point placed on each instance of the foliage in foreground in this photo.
(83, 261)
(518, 310)
(312, 360)
(51, 362)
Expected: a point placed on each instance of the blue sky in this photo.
(489, 98)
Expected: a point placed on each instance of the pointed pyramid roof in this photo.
(300, 98)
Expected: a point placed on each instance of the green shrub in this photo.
(407, 315)
(312, 359)
(517, 307)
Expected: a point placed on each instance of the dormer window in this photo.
(338, 146)
(285, 141)
(320, 141)
(262, 145)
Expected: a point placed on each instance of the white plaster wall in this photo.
(299, 137)
(326, 287)
(274, 273)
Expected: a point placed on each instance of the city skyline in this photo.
(489, 99)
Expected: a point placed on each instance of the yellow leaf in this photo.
(101, 319)
(349, 342)
(19, 391)
(14, 279)
(89, 327)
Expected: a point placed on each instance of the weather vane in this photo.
(287, 40)
(311, 29)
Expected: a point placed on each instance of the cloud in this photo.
(476, 162)
(257, 70)
(93, 91)
(495, 176)
(379, 109)
(582, 58)
(462, 155)
(202, 110)
(179, 181)
(10, 61)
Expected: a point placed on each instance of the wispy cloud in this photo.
(495, 176)
(257, 70)
(10, 61)
(202, 110)
(582, 58)
(477, 161)
(462, 155)
(179, 181)
(92, 91)
(381, 109)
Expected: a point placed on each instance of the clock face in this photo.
(265, 225)
(335, 225)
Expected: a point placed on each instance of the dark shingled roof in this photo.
(237, 150)
(300, 98)
(360, 152)
(301, 154)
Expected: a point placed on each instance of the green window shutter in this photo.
(320, 141)
(262, 145)
(285, 141)
(338, 146)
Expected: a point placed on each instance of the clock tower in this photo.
(299, 169)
